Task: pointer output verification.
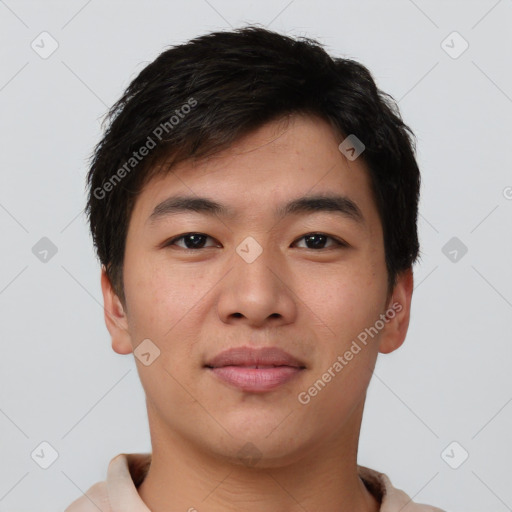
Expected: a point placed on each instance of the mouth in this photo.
(255, 366)
(255, 370)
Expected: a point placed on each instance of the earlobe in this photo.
(398, 313)
(115, 317)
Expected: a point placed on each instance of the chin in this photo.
(262, 453)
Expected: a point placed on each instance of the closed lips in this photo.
(264, 357)
(260, 366)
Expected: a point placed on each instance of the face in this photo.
(250, 272)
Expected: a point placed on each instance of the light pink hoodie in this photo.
(126, 471)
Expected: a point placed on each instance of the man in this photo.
(253, 204)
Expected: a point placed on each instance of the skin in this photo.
(311, 302)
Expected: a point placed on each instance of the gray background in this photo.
(60, 380)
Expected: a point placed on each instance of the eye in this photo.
(317, 240)
(192, 241)
(196, 241)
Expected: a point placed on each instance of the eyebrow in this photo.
(338, 204)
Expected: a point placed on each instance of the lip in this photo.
(255, 370)
(250, 356)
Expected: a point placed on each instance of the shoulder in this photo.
(95, 498)
(119, 490)
(392, 499)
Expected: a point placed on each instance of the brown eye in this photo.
(318, 241)
(191, 241)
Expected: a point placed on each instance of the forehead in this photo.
(264, 171)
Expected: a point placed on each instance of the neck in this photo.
(324, 476)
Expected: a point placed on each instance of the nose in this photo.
(257, 291)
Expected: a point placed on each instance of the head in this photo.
(252, 120)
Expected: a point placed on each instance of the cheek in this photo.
(162, 309)
(164, 302)
(151, 297)
(346, 299)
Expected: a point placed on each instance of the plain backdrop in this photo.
(60, 381)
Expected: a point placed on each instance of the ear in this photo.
(115, 317)
(398, 312)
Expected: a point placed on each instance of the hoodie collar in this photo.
(127, 471)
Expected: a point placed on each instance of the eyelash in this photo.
(338, 242)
